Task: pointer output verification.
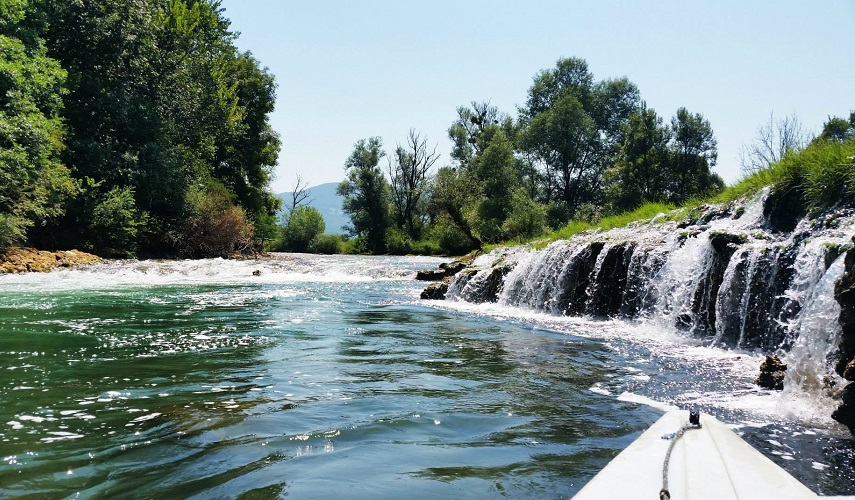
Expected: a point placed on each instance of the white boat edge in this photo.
(708, 463)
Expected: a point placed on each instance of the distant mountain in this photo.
(324, 198)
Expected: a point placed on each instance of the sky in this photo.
(352, 69)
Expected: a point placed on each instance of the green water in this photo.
(319, 379)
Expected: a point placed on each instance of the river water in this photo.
(327, 377)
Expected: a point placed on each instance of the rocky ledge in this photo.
(844, 292)
(21, 260)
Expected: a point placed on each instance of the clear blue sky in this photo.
(348, 70)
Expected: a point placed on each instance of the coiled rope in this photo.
(694, 423)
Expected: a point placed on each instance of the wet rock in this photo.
(446, 269)
(845, 413)
(772, 372)
(435, 291)
(725, 243)
(257, 272)
(844, 293)
(783, 208)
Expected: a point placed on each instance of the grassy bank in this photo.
(817, 178)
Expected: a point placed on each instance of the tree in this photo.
(497, 177)
(838, 129)
(773, 140)
(641, 171)
(299, 195)
(453, 192)
(571, 126)
(34, 183)
(693, 154)
(304, 225)
(408, 169)
(367, 194)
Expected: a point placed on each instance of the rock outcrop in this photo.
(844, 293)
(21, 260)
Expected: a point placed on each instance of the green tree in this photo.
(571, 126)
(838, 129)
(304, 225)
(641, 171)
(453, 192)
(367, 194)
(497, 177)
(693, 154)
(34, 183)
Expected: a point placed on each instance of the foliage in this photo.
(304, 225)
(571, 125)
(160, 100)
(526, 220)
(213, 225)
(34, 184)
(367, 194)
(108, 222)
(326, 244)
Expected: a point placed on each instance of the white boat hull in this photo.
(708, 463)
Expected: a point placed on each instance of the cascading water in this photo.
(725, 278)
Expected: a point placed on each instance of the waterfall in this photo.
(810, 362)
(724, 276)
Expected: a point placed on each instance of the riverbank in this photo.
(21, 259)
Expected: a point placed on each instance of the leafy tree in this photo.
(34, 183)
(641, 171)
(304, 225)
(693, 154)
(408, 169)
(838, 129)
(526, 219)
(497, 177)
(367, 194)
(453, 193)
(571, 127)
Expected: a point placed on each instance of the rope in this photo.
(694, 423)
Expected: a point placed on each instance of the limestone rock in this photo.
(21, 260)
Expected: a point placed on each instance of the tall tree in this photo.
(34, 184)
(409, 169)
(367, 194)
(571, 126)
(641, 171)
(693, 154)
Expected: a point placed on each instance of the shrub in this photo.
(527, 218)
(304, 224)
(327, 244)
(214, 227)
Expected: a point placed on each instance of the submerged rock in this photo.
(772, 372)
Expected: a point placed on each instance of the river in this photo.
(325, 377)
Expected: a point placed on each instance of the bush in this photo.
(214, 227)
(304, 224)
(397, 242)
(527, 218)
(327, 244)
(451, 239)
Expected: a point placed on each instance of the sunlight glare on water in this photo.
(327, 377)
